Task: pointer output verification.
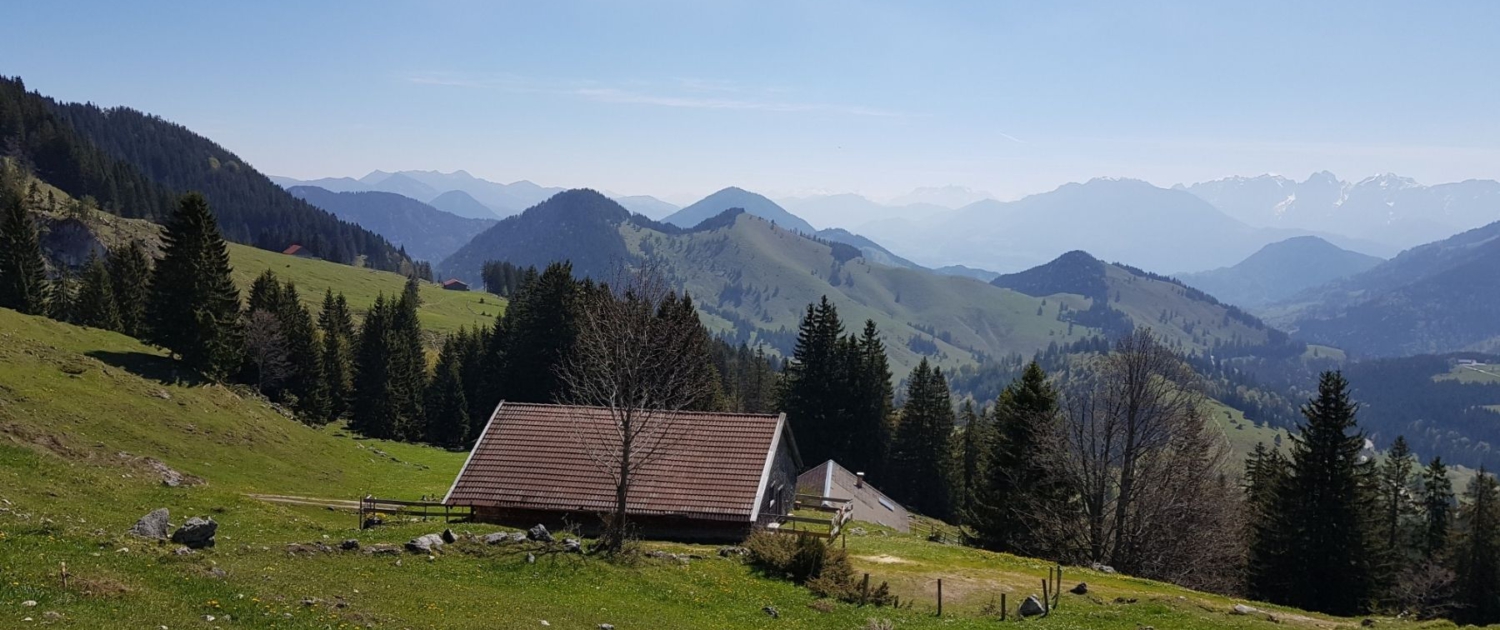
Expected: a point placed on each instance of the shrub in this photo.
(808, 561)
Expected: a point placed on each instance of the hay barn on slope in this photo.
(725, 473)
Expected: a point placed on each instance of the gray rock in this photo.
(382, 550)
(771, 610)
(183, 551)
(153, 525)
(725, 552)
(571, 545)
(197, 533)
(1102, 568)
(606, 626)
(539, 534)
(349, 545)
(425, 544)
(530, 558)
(449, 537)
(1032, 607)
(1081, 589)
(497, 538)
(1241, 609)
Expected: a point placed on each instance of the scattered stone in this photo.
(771, 610)
(571, 545)
(162, 394)
(1081, 589)
(858, 531)
(217, 573)
(606, 626)
(197, 533)
(311, 601)
(1367, 623)
(425, 544)
(52, 615)
(530, 558)
(171, 478)
(1032, 607)
(449, 537)
(382, 550)
(30, 603)
(539, 534)
(208, 618)
(544, 622)
(1123, 600)
(498, 538)
(349, 545)
(153, 525)
(725, 552)
(183, 551)
(1102, 568)
(1241, 609)
(373, 521)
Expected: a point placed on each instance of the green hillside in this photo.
(81, 410)
(756, 278)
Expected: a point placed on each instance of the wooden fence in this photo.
(371, 507)
(838, 512)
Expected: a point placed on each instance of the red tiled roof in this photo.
(292, 250)
(538, 457)
(452, 281)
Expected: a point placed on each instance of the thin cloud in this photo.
(595, 92)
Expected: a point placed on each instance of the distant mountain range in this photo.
(1435, 298)
(728, 198)
(425, 232)
(1386, 208)
(1280, 270)
(853, 211)
(463, 194)
(1159, 229)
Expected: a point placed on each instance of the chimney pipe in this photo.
(859, 480)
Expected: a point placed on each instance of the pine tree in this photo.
(921, 454)
(446, 406)
(95, 304)
(1437, 508)
(1021, 485)
(1313, 550)
(194, 308)
(337, 327)
(130, 271)
(1395, 509)
(61, 296)
(532, 338)
(304, 352)
(408, 363)
(872, 400)
(23, 273)
(1477, 553)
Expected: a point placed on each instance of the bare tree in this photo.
(267, 348)
(640, 356)
(1133, 431)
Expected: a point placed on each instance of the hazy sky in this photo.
(677, 99)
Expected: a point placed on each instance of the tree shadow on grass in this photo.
(149, 366)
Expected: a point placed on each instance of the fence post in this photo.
(940, 597)
(1003, 608)
(864, 591)
(1046, 596)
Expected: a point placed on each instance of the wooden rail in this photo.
(370, 506)
(839, 512)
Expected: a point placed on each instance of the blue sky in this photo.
(681, 98)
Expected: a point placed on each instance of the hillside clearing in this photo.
(82, 410)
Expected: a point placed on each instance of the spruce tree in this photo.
(23, 273)
(304, 352)
(872, 399)
(130, 272)
(408, 363)
(95, 304)
(813, 395)
(1396, 509)
(1476, 561)
(922, 452)
(1313, 550)
(374, 411)
(974, 446)
(1021, 485)
(61, 296)
(194, 308)
(446, 406)
(1437, 508)
(336, 365)
(532, 339)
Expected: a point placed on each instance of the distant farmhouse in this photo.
(870, 505)
(454, 284)
(725, 474)
(298, 251)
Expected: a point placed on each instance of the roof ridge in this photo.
(772, 416)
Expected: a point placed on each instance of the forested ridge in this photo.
(134, 164)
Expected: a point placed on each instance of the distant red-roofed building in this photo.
(724, 474)
(454, 284)
(298, 251)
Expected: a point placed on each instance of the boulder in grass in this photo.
(539, 534)
(349, 545)
(449, 537)
(1032, 607)
(153, 525)
(425, 544)
(572, 545)
(196, 533)
(1241, 609)
(1081, 589)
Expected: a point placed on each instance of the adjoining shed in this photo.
(870, 505)
(722, 474)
